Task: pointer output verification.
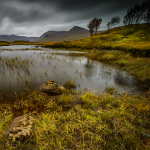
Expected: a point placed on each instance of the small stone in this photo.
(20, 129)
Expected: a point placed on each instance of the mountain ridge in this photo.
(59, 36)
(12, 37)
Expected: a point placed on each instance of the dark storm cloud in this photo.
(33, 17)
(21, 13)
(83, 4)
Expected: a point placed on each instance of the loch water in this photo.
(37, 65)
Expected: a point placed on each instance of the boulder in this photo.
(51, 86)
(20, 129)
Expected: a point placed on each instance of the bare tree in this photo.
(146, 15)
(109, 25)
(138, 11)
(115, 20)
(97, 22)
(91, 27)
(129, 19)
(94, 25)
(135, 15)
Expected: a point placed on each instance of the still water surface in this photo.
(43, 64)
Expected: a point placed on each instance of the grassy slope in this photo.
(113, 39)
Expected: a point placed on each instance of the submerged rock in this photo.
(95, 49)
(51, 86)
(20, 129)
(36, 46)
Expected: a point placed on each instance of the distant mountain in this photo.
(50, 34)
(57, 32)
(10, 38)
(59, 36)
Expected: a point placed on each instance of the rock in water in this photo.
(20, 129)
(51, 86)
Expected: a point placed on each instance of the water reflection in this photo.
(123, 80)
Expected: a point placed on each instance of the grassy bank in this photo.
(81, 122)
(5, 43)
(137, 66)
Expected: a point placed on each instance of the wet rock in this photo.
(51, 86)
(20, 129)
(115, 42)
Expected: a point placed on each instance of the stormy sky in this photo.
(34, 17)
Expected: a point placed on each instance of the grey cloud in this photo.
(20, 15)
(33, 17)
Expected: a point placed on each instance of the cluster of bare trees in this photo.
(136, 14)
(94, 25)
(146, 15)
(114, 21)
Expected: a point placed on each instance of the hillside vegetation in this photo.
(137, 42)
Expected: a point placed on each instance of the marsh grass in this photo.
(93, 122)
(70, 84)
(111, 90)
(15, 62)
